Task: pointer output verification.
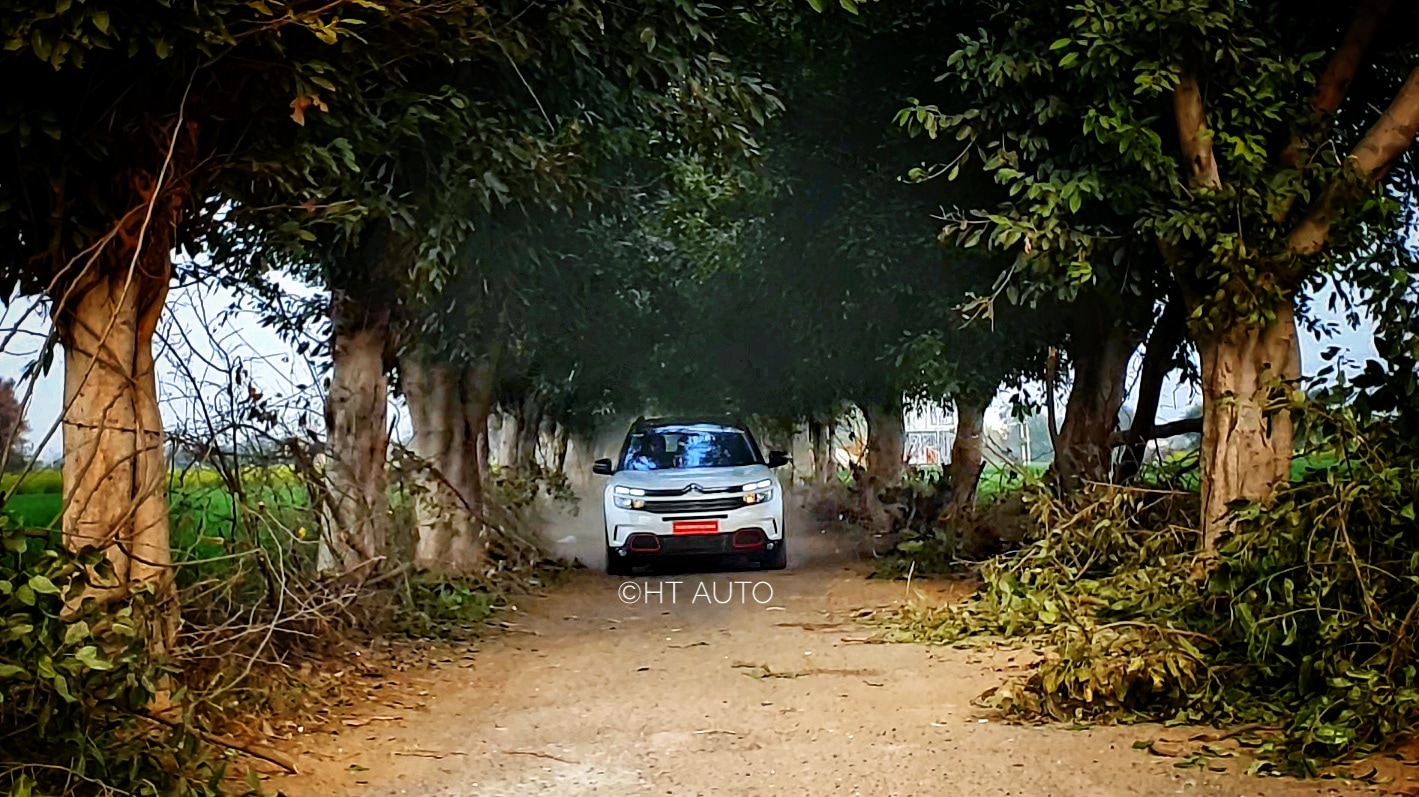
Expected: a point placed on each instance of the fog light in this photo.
(748, 539)
(645, 543)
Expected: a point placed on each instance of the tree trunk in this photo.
(114, 473)
(886, 443)
(820, 439)
(507, 427)
(967, 453)
(446, 540)
(485, 453)
(559, 449)
(529, 430)
(356, 534)
(581, 449)
(1084, 450)
(1158, 358)
(477, 398)
(1248, 374)
(886, 446)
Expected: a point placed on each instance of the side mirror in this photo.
(777, 459)
(602, 467)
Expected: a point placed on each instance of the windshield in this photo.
(684, 447)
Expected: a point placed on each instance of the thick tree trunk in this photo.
(356, 533)
(886, 447)
(1247, 376)
(967, 453)
(446, 541)
(1158, 359)
(114, 472)
(1084, 449)
(886, 443)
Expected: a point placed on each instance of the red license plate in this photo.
(695, 527)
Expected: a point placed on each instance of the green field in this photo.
(206, 518)
(35, 510)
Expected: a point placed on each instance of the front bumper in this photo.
(746, 542)
(622, 524)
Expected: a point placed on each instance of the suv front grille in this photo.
(694, 505)
(670, 493)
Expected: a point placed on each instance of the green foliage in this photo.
(436, 608)
(1303, 618)
(1069, 106)
(75, 675)
(822, 281)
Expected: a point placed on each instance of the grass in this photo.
(35, 510)
(40, 482)
(206, 519)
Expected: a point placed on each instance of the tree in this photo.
(95, 194)
(12, 426)
(1225, 149)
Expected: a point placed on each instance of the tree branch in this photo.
(1366, 165)
(1051, 372)
(1334, 84)
(1175, 428)
(1159, 431)
(264, 753)
(1158, 358)
(1193, 135)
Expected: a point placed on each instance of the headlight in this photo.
(758, 492)
(629, 497)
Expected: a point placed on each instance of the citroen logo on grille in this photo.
(694, 488)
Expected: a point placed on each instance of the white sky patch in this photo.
(203, 335)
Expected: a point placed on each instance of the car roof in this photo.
(723, 421)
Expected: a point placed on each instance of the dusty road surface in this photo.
(609, 689)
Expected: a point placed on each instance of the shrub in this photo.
(76, 678)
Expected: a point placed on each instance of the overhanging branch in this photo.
(1159, 431)
(1366, 165)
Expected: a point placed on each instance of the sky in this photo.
(204, 337)
(205, 333)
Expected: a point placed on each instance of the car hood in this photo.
(707, 478)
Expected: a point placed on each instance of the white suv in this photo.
(692, 487)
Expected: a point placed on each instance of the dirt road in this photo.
(612, 690)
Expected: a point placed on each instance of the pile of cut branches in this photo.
(1303, 619)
